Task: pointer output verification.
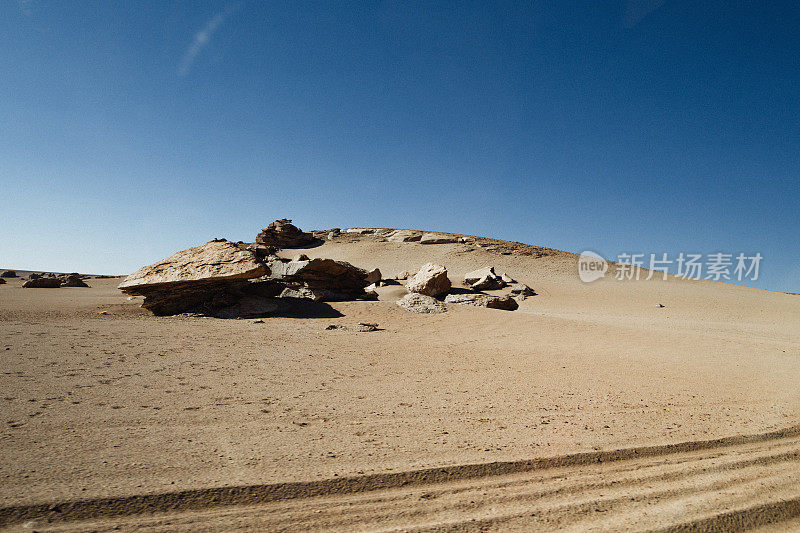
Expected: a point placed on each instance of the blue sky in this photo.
(129, 130)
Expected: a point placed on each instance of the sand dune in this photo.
(103, 400)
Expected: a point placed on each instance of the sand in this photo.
(103, 404)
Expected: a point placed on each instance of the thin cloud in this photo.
(636, 10)
(201, 40)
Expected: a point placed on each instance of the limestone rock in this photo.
(484, 279)
(522, 290)
(335, 276)
(199, 279)
(283, 234)
(430, 280)
(437, 238)
(420, 303)
(475, 275)
(487, 283)
(404, 236)
(213, 261)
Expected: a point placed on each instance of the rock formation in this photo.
(437, 238)
(42, 283)
(223, 278)
(484, 279)
(430, 280)
(404, 236)
(283, 234)
(420, 303)
(72, 280)
(483, 300)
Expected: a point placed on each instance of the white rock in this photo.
(430, 280)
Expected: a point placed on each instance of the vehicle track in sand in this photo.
(726, 484)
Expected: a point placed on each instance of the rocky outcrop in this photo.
(72, 280)
(8, 274)
(420, 303)
(201, 279)
(437, 238)
(430, 280)
(404, 236)
(42, 283)
(283, 234)
(337, 277)
(211, 262)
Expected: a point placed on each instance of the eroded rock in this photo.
(430, 280)
(283, 234)
(420, 303)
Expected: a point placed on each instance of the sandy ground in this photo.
(102, 400)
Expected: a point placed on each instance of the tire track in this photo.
(690, 486)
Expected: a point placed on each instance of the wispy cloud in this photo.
(636, 10)
(201, 40)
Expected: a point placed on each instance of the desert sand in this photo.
(588, 407)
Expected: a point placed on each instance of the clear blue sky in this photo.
(129, 130)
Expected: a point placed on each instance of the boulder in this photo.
(35, 276)
(8, 274)
(72, 280)
(374, 276)
(213, 261)
(302, 257)
(405, 274)
(420, 303)
(404, 236)
(488, 283)
(42, 283)
(200, 279)
(520, 289)
(484, 279)
(2, 281)
(283, 234)
(507, 303)
(437, 238)
(338, 277)
(475, 275)
(508, 280)
(430, 280)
